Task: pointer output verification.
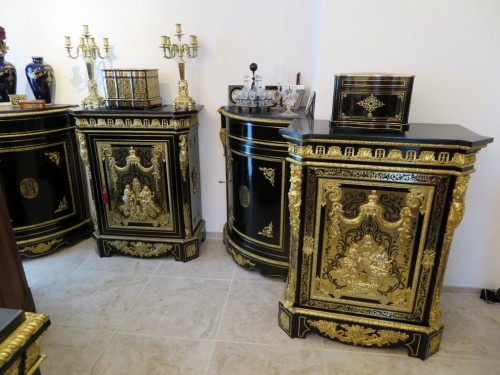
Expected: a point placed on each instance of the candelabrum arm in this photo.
(76, 55)
(171, 51)
(106, 53)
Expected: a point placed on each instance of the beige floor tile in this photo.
(124, 315)
(251, 315)
(89, 299)
(349, 363)
(67, 258)
(178, 307)
(143, 355)
(122, 264)
(471, 327)
(470, 367)
(71, 350)
(213, 263)
(250, 359)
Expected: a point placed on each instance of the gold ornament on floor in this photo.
(183, 102)
(90, 52)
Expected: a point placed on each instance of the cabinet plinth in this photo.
(40, 173)
(144, 173)
(371, 222)
(256, 233)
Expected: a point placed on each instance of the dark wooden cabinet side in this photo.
(14, 290)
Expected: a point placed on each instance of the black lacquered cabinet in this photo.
(372, 218)
(144, 173)
(257, 230)
(40, 173)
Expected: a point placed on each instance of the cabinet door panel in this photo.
(38, 184)
(371, 240)
(135, 184)
(257, 195)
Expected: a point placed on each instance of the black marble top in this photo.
(10, 319)
(160, 110)
(7, 111)
(263, 114)
(449, 134)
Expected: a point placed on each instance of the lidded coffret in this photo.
(372, 102)
(131, 88)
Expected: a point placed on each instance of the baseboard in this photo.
(214, 236)
(461, 289)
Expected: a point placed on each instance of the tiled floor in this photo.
(122, 315)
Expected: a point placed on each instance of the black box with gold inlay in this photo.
(374, 102)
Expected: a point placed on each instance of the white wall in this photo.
(452, 46)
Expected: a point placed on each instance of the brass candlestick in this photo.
(183, 102)
(90, 52)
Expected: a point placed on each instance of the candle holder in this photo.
(170, 50)
(88, 49)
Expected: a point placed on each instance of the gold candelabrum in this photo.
(88, 49)
(183, 102)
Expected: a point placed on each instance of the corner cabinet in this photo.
(144, 173)
(372, 218)
(257, 232)
(41, 177)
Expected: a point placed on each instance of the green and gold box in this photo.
(373, 102)
(131, 88)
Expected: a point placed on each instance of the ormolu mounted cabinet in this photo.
(257, 230)
(144, 171)
(372, 216)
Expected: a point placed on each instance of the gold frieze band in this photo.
(367, 154)
(125, 122)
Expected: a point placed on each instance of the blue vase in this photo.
(41, 78)
(8, 79)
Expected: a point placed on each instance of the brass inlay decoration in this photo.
(142, 249)
(54, 157)
(358, 335)
(368, 249)
(285, 321)
(134, 193)
(244, 195)
(268, 174)
(371, 103)
(125, 122)
(230, 214)
(457, 210)
(392, 155)
(84, 154)
(267, 231)
(187, 220)
(183, 156)
(29, 188)
(242, 261)
(195, 180)
(40, 248)
(191, 250)
(222, 136)
(62, 206)
(253, 119)
(137, 202)
(434, 344)
(294, 202)
(20, 337)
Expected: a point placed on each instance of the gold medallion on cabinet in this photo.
(369, 255)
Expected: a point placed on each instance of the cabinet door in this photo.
(256, 198)
(39, 184)
(371, 240)
(134, 179)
